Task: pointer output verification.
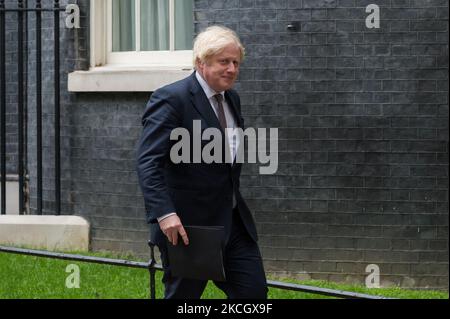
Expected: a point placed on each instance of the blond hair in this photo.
(212, 41)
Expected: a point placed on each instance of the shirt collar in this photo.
(206, 88)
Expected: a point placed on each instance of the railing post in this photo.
(39, 105)
(57, 112)
(152, 270)
(20, 103)
(3, 107)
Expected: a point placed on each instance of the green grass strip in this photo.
(29, 277)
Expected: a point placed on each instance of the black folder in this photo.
(202, 258)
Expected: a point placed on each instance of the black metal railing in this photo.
(21, 10)
(2, 107)
(152, 267)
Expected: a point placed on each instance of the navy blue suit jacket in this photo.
(200, 193)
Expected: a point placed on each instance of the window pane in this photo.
(154, 25)
(123, 25)
(184, 24)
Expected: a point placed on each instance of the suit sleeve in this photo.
(153, 150)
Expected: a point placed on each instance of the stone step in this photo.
(53, 233)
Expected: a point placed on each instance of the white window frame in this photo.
(97, 33)
(169, 57)
(125, 71)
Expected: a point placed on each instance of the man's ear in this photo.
(198, 64)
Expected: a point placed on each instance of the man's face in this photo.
(222, 69)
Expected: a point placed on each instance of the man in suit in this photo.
(178, 194)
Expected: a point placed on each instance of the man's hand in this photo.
(171, 227)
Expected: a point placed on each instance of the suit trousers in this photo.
(244, 272)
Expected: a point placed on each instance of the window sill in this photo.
(125, 78)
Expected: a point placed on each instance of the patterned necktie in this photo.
(220, 112)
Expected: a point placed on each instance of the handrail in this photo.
(152, 266)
